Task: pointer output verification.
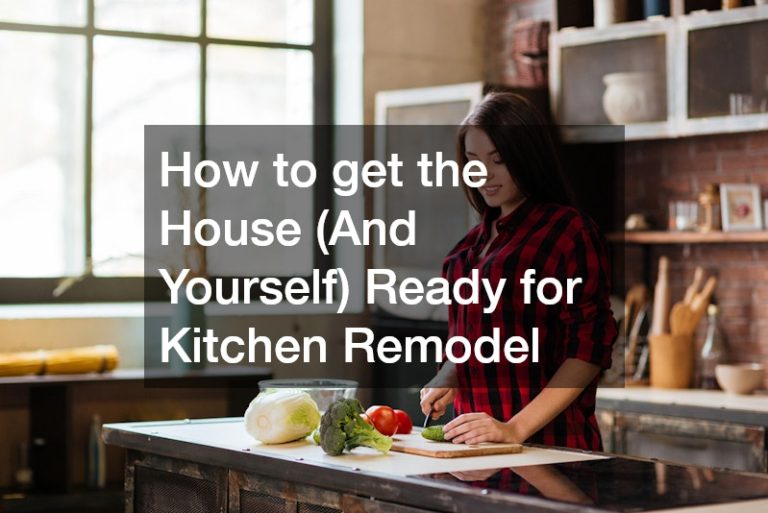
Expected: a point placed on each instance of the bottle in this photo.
(713, 352)
(96, 468)
(709, 201)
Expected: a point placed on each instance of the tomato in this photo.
(404, 423)
(383, 418)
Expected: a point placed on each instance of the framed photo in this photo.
(740, 207)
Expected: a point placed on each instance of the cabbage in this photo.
(280, 416)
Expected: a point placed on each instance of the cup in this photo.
(741, 104)
(683, 215)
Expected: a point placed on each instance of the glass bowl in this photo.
(323, 391)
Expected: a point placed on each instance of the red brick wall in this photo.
(659, 171)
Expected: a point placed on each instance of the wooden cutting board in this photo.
(414, 443)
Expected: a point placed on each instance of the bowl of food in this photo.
(740, 378)
(323, 391)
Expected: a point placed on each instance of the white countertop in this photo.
(757, 402)
(230, 434)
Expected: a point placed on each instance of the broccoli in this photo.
(342, 428)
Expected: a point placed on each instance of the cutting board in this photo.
(414, 443)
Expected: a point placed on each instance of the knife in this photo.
(427, 418)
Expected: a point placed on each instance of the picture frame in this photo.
(740, 207)
(765, 214)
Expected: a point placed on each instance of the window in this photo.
(78, 81)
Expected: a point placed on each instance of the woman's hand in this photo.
(439, 392)
(475, 428)
(436, 400)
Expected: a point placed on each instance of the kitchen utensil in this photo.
(634, 340)
(741, 378)
(637, 297)
(414, 443)
(428, 418)
(641, 373)
(693, 288)
(672, 360)
(701, 300)
(661, 299)
(682, 320)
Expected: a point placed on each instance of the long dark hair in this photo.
(525, 144)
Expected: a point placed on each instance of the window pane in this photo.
(136, 83)
(282, 21)
(41, 169)
(44, 12)
(165, 16)
(259, 86)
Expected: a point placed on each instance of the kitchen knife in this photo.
(427, 418)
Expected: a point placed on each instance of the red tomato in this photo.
(383, 418)
(404, 423)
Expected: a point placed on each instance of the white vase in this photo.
(608, 12)
(632, 98)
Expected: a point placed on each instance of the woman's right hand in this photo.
(436, 400)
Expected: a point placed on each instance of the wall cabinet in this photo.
(691, 74)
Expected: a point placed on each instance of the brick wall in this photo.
(659, 171)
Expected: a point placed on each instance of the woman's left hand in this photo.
(475, 428)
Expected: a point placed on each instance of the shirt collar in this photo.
(510, 221)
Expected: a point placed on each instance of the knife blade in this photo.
(428, 418)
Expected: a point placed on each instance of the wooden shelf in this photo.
(688, 237)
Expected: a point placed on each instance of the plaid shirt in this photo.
(558, 242)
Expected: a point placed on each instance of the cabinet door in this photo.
(156, 484)
(250, 493)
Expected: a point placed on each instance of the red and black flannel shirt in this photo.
(559, 242)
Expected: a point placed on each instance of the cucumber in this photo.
(434, 433)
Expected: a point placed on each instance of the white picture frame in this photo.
(740, 207)
(765, 214)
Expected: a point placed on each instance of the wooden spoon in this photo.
(698, 279)
(682, 320)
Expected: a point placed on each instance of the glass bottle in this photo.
(713, 352)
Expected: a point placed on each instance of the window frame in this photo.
(20, 290)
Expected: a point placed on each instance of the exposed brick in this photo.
(760, 294)
(692, 164)
(740, 162)
(758, 143)
(719, 143)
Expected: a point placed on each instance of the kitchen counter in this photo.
(695, 404)
(218, 455)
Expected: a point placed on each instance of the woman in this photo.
(527, 222)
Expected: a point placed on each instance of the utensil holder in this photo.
(672, 360)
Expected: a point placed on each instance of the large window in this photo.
(79, 79)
